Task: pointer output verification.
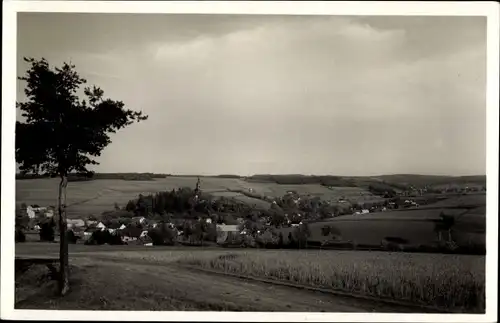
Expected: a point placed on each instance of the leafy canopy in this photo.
(62, 133)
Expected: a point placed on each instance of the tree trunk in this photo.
(63, 242)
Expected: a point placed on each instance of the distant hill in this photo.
(81, 177)
(421, 180)
(399, 180)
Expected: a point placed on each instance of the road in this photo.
(101, 282)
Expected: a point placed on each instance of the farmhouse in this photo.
(75, 223)
(113, 227)
(34, 210)
(100, 226)
(130, 233)
(139, 219)
(89, 231)
(226, 233)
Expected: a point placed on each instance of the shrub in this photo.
(47, 231)
(162, 236)
(20, 236)
(101, 237)
(72, 238)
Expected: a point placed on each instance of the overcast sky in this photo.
(263, 94)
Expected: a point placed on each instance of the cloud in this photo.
(312, 95)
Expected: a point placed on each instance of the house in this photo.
(33, 210)
(139, 219)
(75, 223)
(144, 234)
(90, 222)
(130, 233)
(123, 226)
(226, 233)
(89, 231)
(113, 227)
(100, 226)
(365, 211)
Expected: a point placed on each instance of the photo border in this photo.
(374, 8)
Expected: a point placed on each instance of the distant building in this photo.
(139, 219)
(75, 223)
(33, 211)
(225, 233)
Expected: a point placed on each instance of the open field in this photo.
(417, 226)
(453, 283)
(414, 225)
(94, 197)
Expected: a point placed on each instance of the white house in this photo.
(144, 234)
(365, 211)
(123, 226)
(101, 226)
(227, 228)
(90, 222)
(33, 210)
(75, 223)
(209, 220)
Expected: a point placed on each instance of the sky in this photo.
(229, 94)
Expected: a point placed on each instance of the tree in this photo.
(303, 233)
(72, 238)
(47, 231)
(325, 231)
(130, 206)
(280, 240)
(62, 134)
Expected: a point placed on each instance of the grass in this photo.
(94, 197)
(450, 282)
(416, 226)
(445, 281)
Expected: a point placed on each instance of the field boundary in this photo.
(426, 308)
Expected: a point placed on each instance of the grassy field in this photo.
(94, 197)
(416, 226)
(452, 283)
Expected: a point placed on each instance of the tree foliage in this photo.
(62, 133)
(47, 230)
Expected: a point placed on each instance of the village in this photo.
(148, 221)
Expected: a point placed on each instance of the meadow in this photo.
(96, 196)
(416, 226)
